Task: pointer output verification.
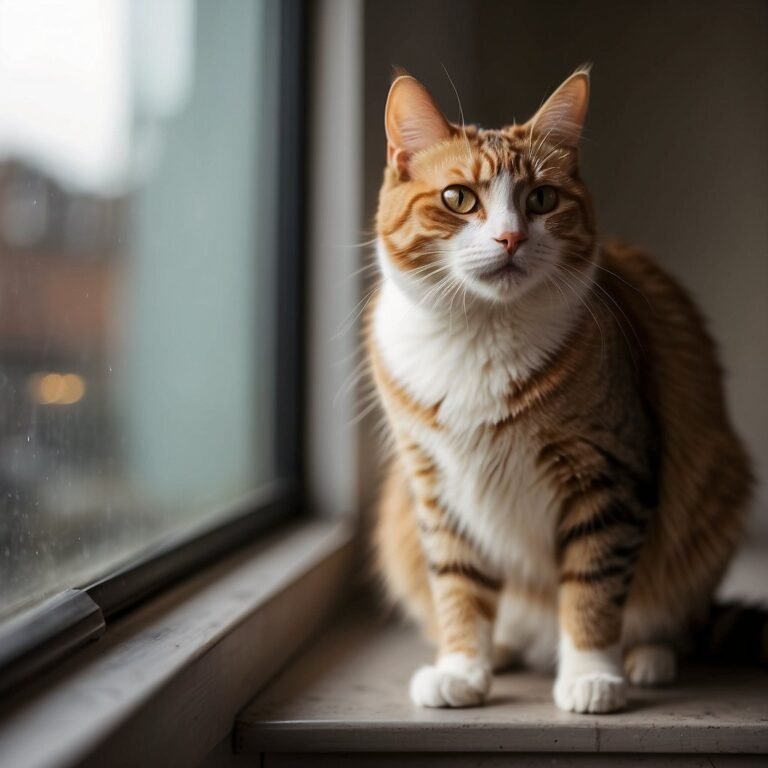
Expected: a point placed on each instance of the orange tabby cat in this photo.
(567, 484)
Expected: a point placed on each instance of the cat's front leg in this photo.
(607, 503)
(464, 593)
(465, 596)
(597, 562)
(590, 676)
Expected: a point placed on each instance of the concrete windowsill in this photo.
(162, 686)
(348, 694)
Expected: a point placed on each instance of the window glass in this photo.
(137, 255)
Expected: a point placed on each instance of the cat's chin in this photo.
(506, 286)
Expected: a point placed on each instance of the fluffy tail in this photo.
(734, 633)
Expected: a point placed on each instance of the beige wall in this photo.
(676, 144)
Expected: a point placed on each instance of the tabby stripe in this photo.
(540, 385)
(615, 514)
(444, 220)
(393, 391)
(477, 164)
(491, 160)
(485, 608)
(595, 575)
(406, 214)
(586, 215)
(508, 162)
(547, 379)
(628, 552)
(620, 598)
(586, 490)
(430, 529)
(645, 490)
(467, 571)
(407, 255)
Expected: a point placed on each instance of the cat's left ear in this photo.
(562, 116)
(412, 121)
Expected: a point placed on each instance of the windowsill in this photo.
(348, 694)
(168, 679)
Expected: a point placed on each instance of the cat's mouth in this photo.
(509, 268)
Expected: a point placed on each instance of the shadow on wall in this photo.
(674, 149)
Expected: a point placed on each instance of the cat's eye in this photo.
(459, 199)
(541, 200)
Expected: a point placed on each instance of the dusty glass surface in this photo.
(136, 270)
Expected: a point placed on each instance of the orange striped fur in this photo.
(566, 479)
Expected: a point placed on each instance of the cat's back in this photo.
(676, 354)
(705, 479)
(666, 317)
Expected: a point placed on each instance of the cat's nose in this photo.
(511, 240)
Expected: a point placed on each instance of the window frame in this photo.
(37, 638)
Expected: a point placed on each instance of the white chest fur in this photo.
(493, 489)
(490, 485)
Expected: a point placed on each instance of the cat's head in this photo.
(494, 213)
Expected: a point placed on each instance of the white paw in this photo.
(457, 680)
(650, 665)
(592, 692)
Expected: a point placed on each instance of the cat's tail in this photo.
(733, 632)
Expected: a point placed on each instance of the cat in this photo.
(566, 484)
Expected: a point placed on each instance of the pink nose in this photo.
(511, 240)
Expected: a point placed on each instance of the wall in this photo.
(675, 147)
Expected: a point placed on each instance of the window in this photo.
(149, 307)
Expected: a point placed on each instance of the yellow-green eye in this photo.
(541, 200)
(459, 199)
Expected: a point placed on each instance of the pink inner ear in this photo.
(412, 120)
(397, 158)
(562, 115)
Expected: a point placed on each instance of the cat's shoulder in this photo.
(635, 267)
(659, 306)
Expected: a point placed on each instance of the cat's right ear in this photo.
(413, 122)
